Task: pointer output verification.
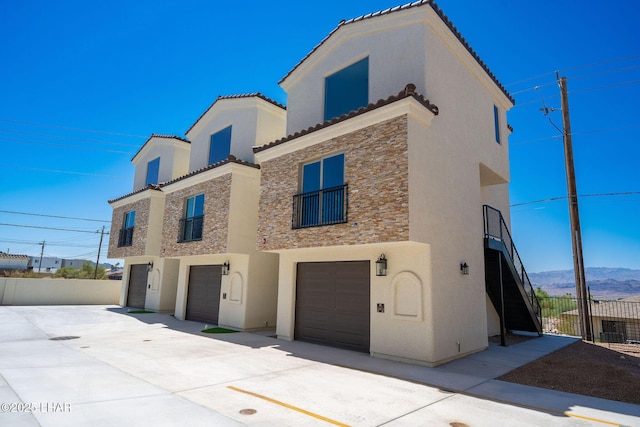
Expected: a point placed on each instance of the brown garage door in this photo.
(332, 304)
(137, 286)
(203, 296)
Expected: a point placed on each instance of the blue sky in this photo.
(83, 84)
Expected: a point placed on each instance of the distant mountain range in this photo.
(604, 282)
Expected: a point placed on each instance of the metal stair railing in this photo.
(496, 229)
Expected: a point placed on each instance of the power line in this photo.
(51, 228)
(71, 128)
(30, 242)
(65, 172)
(75, 147)
(617, 70)
(44, 135)
(609, 61)
(536, 87)
(633, 82)
(586, 132)
(552, 199)
(54, 216)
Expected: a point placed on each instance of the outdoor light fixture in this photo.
(225, 268)
(150, 267)
(381, 266)
(464, 268)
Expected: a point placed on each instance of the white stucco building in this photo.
(410, 126)
(370, 214)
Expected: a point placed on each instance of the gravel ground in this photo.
(608, 371)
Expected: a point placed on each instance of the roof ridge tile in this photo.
(408, 91)
(230, 159)
(236, 96)
(159, 135)
(445, 19)
(155, 187)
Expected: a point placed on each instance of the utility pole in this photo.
(95, 274)
(41, 253)
(576, 235)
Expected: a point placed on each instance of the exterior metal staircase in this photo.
(507, 282)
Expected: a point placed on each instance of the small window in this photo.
(129, 219)
(496, 122)
(153, 169)
(346, 90)
(323, 197)
(220, 145)
(126, 232)
(323, 174)
(191, 224)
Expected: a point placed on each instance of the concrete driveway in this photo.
(102, 366)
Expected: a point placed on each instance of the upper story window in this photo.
(323, 197)
(346, 90)
(126, 232)
(220, 145)
(496, 122)
(191, 224)
(153, 169)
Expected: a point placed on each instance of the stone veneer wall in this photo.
(217, 193)
(377, 174)
(140, 229)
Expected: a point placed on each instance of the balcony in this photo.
(126, 237)
(190, 229)
(322, 207)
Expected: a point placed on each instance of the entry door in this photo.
(137, 286)
(333, 304)
(203, 296)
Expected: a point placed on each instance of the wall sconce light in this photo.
(464, 268)
(150, 267)
(225, 268)
(381, 266)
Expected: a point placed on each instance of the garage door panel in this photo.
(137, 292)
(203, 295)
(352, 304)
(352, 340)
(333, 304)
(317, 335)
(318, 300)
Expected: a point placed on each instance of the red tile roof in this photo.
(244, 95)
(158, 187)
(157, 135)
(442, 16)
(230, 159)
(148, 187)
(408, 91)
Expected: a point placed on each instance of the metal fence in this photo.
(125, 237)
(190, 229)
(496, 228)
(612, 321)
(322, 207)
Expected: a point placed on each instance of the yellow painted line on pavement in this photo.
(286, 405)
(492, 399)
(568, 414)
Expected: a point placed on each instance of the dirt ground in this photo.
(608, 371)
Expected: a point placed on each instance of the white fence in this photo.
(59, 292)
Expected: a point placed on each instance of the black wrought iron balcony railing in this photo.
(190, 229)
(322, 207)
(126, 237)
